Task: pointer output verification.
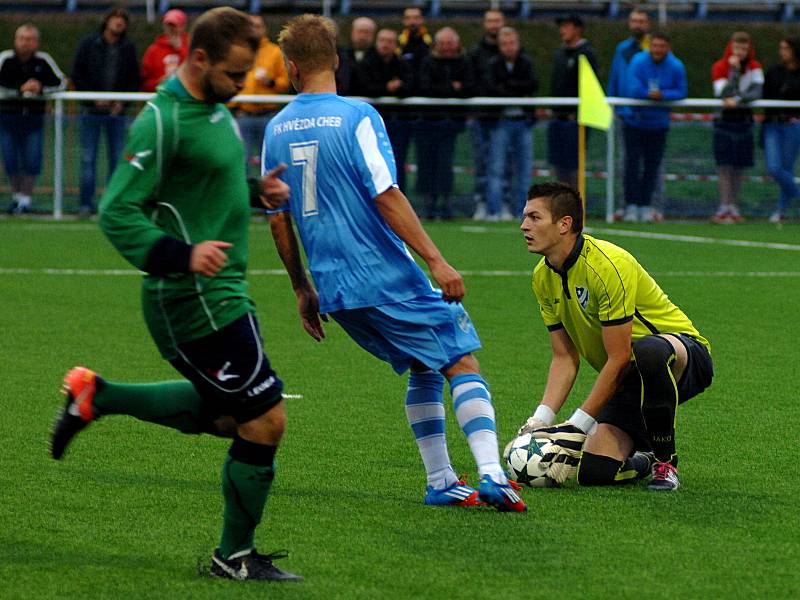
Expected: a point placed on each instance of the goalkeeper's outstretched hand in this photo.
(562, 455)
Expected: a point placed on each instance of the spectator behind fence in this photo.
(25, 75)
(445, 73)
(384, 73)
(415, 41)
(267, 77)
(738, 79)
(163, 57)
(511, 74)
(479, 56)
(782, 125)
(656, 75)
(562, 131)
(362, 38)
(105, 62)
(639, 28)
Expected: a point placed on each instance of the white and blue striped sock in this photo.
(475, 414)
(425, 412)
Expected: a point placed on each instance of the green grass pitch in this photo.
(133, 507)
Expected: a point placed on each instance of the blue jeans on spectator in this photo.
(91, 127)
(645, 146)
(511, 142)
(21, 143)
(781, 147)
(436, 141)
(400, 130)
(481, 130)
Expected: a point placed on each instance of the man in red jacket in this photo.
(167, 52)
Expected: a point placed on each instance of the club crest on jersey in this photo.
(135, 159)
(583, 296)
(464, 323)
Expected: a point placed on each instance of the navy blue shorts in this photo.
(624, 410)
(231, 371)
(733, 144)
(426, 329)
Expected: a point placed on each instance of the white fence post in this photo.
(58, 160)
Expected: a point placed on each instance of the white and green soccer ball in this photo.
(523, 456)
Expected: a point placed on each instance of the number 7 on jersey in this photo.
(304, 154)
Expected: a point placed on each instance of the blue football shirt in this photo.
(340, 159)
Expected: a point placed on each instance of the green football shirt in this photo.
(601, 284)
(182, 181)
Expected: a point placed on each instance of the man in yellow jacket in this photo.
(267, 77)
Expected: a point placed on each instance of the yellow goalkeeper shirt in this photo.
(601, 284)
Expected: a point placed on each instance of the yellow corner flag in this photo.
(593, 110)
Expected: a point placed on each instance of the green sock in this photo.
(174, 404)
(245, 488)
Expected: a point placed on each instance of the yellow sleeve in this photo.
(549, 316)
(615, 288)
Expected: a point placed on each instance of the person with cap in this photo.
(167, 52)
(562, 131)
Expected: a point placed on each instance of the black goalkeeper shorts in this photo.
(231, 371)
(624, 409)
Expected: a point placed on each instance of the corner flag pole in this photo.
(582, 166)
(594, 111)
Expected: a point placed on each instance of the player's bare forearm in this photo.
(617, 341)
(563, 370)
(280, 225)
(398, 213)
(396, 210)
(289, 251)
(560, 379)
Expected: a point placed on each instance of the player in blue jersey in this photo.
(354, 224)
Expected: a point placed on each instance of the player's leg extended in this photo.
(174, 404)
(425, 412)
(475, 414)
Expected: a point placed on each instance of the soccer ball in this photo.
(523, 457)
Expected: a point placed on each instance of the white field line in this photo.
(466, 273)
(652, 235)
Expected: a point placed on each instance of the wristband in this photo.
(583, 421)
(545, 414)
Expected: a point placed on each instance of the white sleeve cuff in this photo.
(545, 414)
(583, 421)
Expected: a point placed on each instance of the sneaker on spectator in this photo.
(646, 214)
(658, 216)
(492, 218)
(619, 215)
(507, 215)
(734, 213)
(631, 213)
(722, 216)
(480, 212)
(777, 217)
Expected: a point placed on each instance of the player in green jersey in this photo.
(598, 303)
(178, 208)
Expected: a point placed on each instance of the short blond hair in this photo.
(309, 41)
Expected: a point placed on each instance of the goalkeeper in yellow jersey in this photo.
(598, 303)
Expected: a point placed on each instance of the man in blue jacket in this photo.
(656, 75)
